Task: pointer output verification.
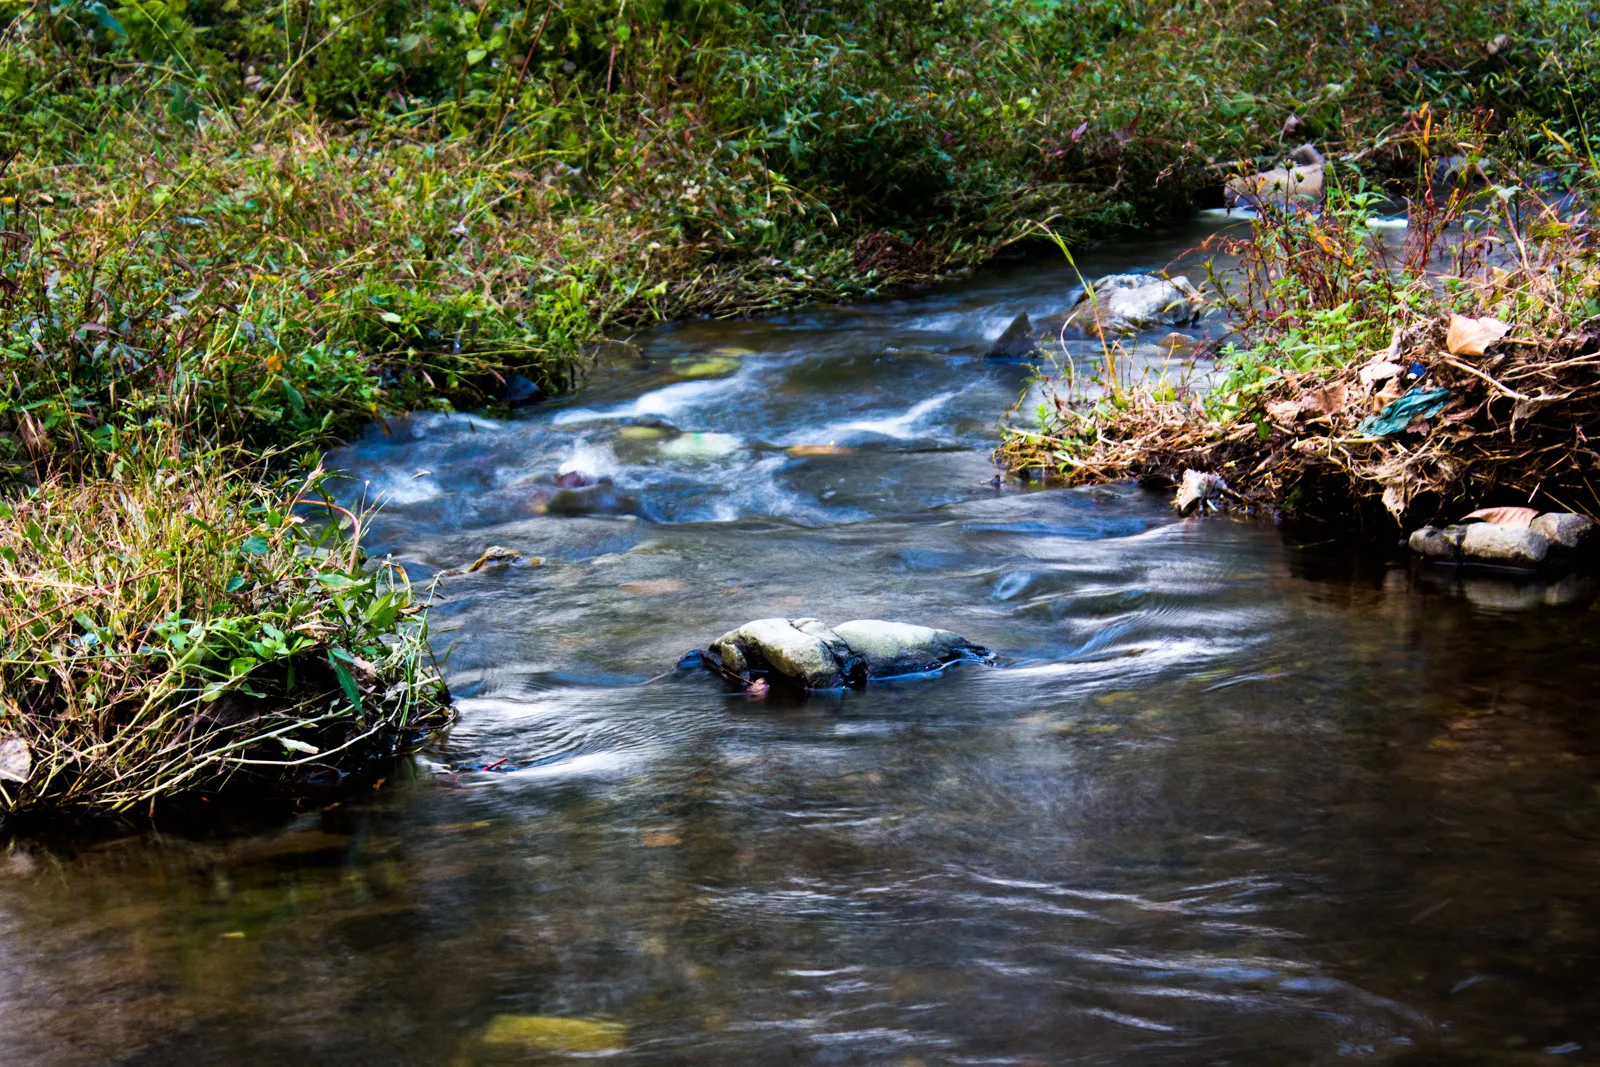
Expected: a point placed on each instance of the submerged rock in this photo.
(808, 653)
(574, 493)
(1128, 303)
(518, 391)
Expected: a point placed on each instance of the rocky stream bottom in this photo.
(1225, 795)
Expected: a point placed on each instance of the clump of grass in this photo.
(1332, 330)
(189, 632)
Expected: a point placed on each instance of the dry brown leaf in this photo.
(1328, 400)
(1393, 390)
(1472, 337)
(1519, 518)
(1284, 411)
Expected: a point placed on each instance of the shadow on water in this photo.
(1232, 797)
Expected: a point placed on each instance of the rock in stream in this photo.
(807, 653)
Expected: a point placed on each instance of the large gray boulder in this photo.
(1128, 303)
(807, 653)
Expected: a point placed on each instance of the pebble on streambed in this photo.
(811, 655)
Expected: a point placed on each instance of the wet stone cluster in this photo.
(1554, 539)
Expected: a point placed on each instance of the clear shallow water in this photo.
(1227, 799)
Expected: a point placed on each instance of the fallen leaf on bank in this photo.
(1327, 400)
(1380, 371)
(16, 762)
(660, 839)
(553, 1033)
(1283, 410)
(1472, 337)
(652, 586)
(1392, 390)
(1517, 518)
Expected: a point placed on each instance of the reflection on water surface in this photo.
(1226, 801)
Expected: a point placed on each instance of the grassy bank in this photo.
(1366, 381)
(188, 631)
(251, 225)
(1458, 374)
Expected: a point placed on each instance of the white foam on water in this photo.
(665, 403)
(399, 489)
(975, 324)
(900, 427)
(595, 460)
(424, 423)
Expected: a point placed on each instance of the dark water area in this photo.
(1228, 797)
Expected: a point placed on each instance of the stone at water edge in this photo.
(894, 648)
(1301, 179)
(1198, 491)
(1430, 542)
(518, 391)
(1507, 546)
(1563, 528)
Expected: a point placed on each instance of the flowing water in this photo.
(1225, 799)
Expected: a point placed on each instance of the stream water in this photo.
(1226, 799)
